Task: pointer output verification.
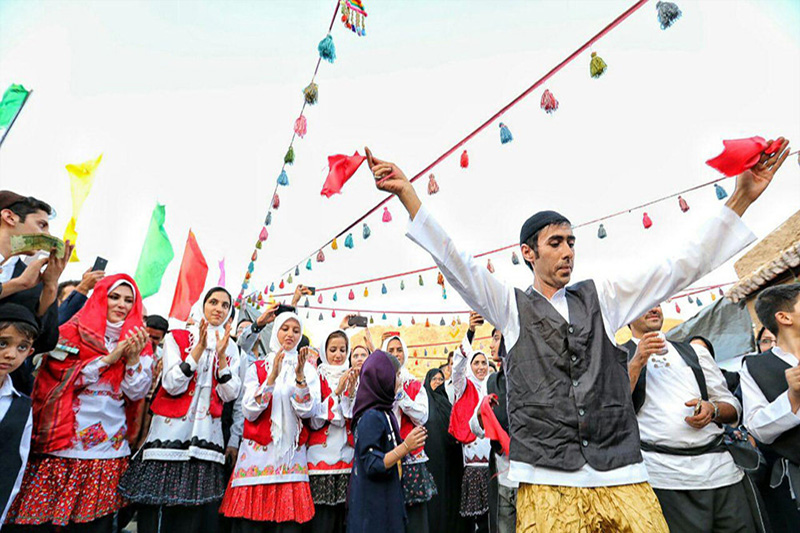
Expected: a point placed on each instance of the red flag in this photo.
(741, 154)
(191, 279)
(491, 427)
(342, 168)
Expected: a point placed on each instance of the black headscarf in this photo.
(438, 402)
(376, 387)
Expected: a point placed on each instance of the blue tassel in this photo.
(601, 232)
(384, 316)
(308, 265)
(399, 323)
(326, 49)
(699, 303)
(505, 134)
(283, 179)
(335, 297)
(721, 193)
(244, 286)
(272, 287)
(383, 289)
(320, 316)
(367, 231)
(668, 13)
(268, 220)
(251, 267)
(348, 241)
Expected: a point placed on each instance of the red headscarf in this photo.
(54, 393)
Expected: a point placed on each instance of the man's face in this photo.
(65, 292)
(156, 337)
(789, 320)
(650, 321)
(554, 260)
(36, 222)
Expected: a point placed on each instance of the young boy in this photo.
(18, 330)
(771, 397)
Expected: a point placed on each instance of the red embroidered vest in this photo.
(260, 430)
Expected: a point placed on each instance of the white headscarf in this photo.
(404, 373)
(114, 329)
(480, 384)
(333, 373)
(212, 331)
(285, 423)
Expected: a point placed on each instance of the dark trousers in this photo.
(722, 510)
(417, 518)
(241, 525)
(175, 518)
(328, 519)
(104, 524)
(784, 516)
(502, 503)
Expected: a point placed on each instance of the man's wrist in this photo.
(738, 203)
(82, 289)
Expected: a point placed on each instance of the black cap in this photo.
(538, 221)
(11, 312)
(157, 322)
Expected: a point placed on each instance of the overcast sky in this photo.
(192, 104)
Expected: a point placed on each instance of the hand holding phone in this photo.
(99, 264)
(359, 321)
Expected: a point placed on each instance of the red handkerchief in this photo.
(740, 155)
(341, 169)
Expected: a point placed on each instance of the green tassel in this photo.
(597, 67)
(311, 93)
(289, 157)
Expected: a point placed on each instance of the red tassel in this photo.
(352, 295)
(427, 323)
(281, 285)
(276, 201)
(254, 257)
(464, 159)
(320, 257)
(300, 126)
(646, 221)
(413, 321)
(677, 308)
(333, 314)
(549, 102)
(262, 236)
(387, 216)
(682, 203)
(319, 298)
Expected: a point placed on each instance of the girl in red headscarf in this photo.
(86, 402)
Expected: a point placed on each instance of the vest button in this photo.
(585, 443)
(574, 358)
(571, 329)
(574, 382)
(581, 412)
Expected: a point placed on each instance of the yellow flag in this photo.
(81, 179)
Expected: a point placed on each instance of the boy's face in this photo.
(14, 348)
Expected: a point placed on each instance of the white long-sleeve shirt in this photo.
(476, 453)
(7, 393)
(622, 300)
(764, 420)
(670, 384)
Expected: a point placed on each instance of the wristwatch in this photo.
(716, 412)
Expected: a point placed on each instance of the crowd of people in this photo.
(233, 424)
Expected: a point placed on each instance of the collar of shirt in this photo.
(558, 301)
(7, 388)
(785, 356)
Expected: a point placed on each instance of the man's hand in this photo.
(651, 343)
(268, 316)
(475, 320)
(750, 184)
(89, 280)
(389, 178)
(793, 379)
(55, 265)
(29, 278)
(300, 291)
(231, 454)
(704, 417)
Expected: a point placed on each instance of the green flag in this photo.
(13, 100)
(156, 255)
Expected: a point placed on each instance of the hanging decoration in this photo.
(413, 322)
(326, 49)
(721, 193)
(306, 304)
(699, 303)
(505, 137)
(682, 204)
(348, 241)
(297, 270)
(646, 221)
(433, 187)
(333, 314)
(514, 258)
(308, 264)
(289, 280)
(403, 285)
(442, 322)
(272, 287)
(352, 295)
(281, 285)
(276, 201)
(464, 159)
(311, 93)
(549, 102)
(319, 298)
(597, 67)
(301, 126)
(366, 292)
(421, 283)
(601, 232)
(268, 219)
(387, 216)
(289, 157)
(427, 323)
(263, 235)
(383, 317)
(320, 257)
(320, 316)
(366, 232)
(353, 16)
(668, 13)
(283, 179)
(334, 245)
(399, 323)
(490, 266)
(677, 308)
(690, 299)
(440, 280)
(713, 297)
(384, 290)
(335, 297)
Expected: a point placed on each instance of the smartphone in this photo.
(99, 264)
(360, 321)
(284, 309)
(312, 290)
(698, 408)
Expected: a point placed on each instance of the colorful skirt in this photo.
(59, 490)
(274, 502)
(474, 491)
(191, 482)
(418, 484)
(330, 489)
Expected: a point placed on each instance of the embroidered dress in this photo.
(182, 460)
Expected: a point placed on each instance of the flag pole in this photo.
(24, 101)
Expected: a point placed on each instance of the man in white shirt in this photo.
(680, 397)
(771, 396)
(574, 436)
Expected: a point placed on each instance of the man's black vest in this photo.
(11, 429)
(689, 356)
(569, 399)
(769, 372)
